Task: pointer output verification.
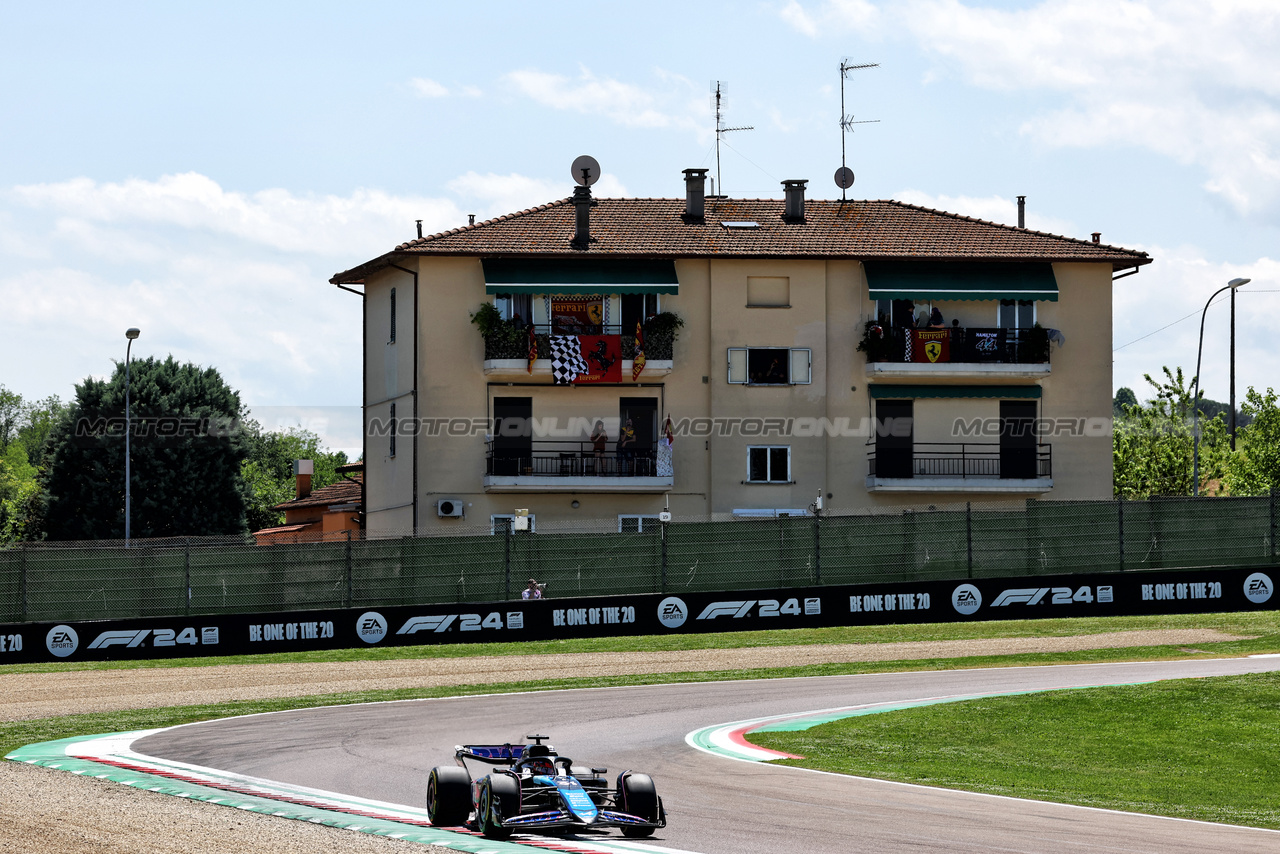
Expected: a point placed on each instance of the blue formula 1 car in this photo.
(535, 789)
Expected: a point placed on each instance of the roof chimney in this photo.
(302, 470)
(695, 193)
(1097, 237)
(582, 204)
(419, 222)
(471, 219)
(793, 191)
(1022, 211)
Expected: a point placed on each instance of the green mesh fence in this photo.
(104, 580)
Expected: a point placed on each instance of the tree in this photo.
(268, 471)
(1255, 468)
(24, 427)
(1152, 444)
(187, 447)
(1124, 398)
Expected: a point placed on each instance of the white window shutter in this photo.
(801, 366)
(737, 364)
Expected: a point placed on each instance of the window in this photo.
(1017, 314)
(500, 522)
(769, 291)
(391, 435)
(637, 308)
(393, 316)
(636, 524)
(511, 306)
(770, 366)
(769, 464)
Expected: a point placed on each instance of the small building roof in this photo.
(342, 492)
(658, 228)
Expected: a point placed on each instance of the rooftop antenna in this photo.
(721, 130)
(844, 175)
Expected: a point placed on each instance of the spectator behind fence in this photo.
(533, 591)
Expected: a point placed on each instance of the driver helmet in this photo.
(540, 766)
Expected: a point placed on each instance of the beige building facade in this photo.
(806, 364)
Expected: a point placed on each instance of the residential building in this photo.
(805, 364)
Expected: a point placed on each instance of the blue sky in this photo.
(201, 171)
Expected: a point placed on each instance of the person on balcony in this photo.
(599, 440)
(626, 446)
(935, 320)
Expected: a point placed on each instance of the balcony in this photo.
(572, 466)
(506, 350)
(956, 352)
(961, 467)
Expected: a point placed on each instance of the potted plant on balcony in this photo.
(660, 332)
(873, 341)
(503, 339)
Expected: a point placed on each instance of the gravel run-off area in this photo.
(43, 810)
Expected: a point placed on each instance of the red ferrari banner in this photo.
(576, 315)
(931, 345)
(604, 358)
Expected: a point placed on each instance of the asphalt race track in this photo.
(715, 805)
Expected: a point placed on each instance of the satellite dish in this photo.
(844, 177)
(585, 170)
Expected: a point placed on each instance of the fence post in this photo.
(968, 533)
(817, 546)
(506, 547)
(350, 572)
(186, 566)
(1271, 522)
(663, 523)
(22, 581)
(1120, 522)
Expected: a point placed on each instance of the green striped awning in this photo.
(573, 276)
(926, 280)
(881, 391)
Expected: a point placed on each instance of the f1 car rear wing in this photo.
(493, 754)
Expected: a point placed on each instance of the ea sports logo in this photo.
(1257, 588)
(62, 641)
(371, 627)
(672, 612)
(966, 599)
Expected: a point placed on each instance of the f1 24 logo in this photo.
(1036, 596)
(738, 610)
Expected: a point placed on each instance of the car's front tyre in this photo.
(639, 797)
(499, 796)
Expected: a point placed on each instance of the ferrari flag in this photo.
(638, 364)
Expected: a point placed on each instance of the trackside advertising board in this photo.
(1115, 594)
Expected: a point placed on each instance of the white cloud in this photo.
(860, 15)
(365, 222)
(1197, 83)
(427, 88)
(672, 106)
(991, 208)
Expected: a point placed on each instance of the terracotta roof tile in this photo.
(342, 492)
(657, 228)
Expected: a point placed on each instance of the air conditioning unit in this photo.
(449, 507)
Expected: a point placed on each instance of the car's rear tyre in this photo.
(639, 797)
(500, 796)
(448, 796)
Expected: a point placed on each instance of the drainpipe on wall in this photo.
(416, 431)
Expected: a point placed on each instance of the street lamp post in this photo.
(1195, 398)
(131, 333)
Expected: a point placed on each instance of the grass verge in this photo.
(1196, 748)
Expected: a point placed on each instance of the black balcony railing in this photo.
(961, 460)
(962, 344)
(568, 459)
(511, 341)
